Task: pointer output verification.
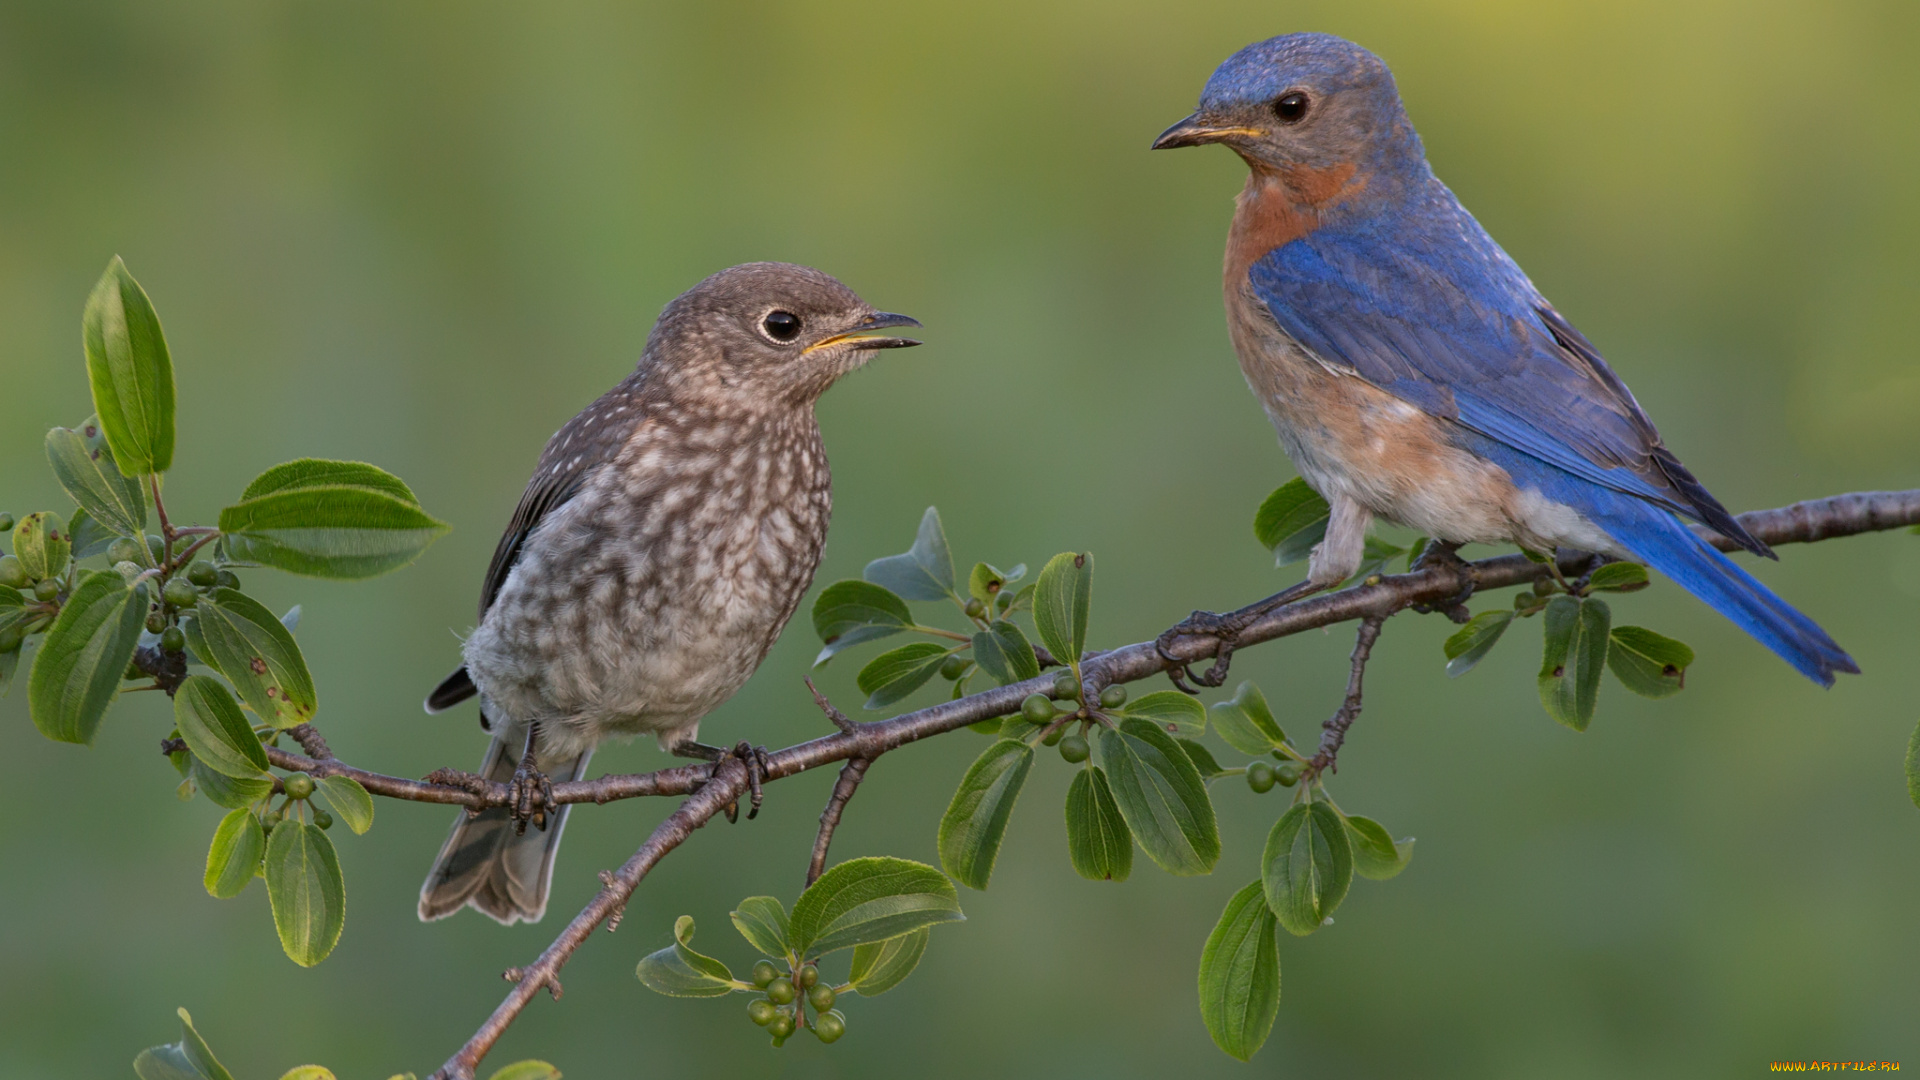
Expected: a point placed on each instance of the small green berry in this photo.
(203, 574)
(1066, 687)
(976, 608)
(830, 1026)
(821, 997)
(323, 819)
(12, 573)
(780, 1027)
(952, 667)
(156, 622)
(179, 595)
(761, 1011)
(1074, 748)
(172, 639)
(11, 637)
(1113, 697)
(157, 547)
(1288, 775)
(1053, 737)
(123, 550)
(133, 670)
(299, 785)
(46, 590)
(1003, 601)
(1544, 586)
(1261, 777)
(226, 579)
(781, 992)
(764, 973)
(6, 522)
(808, 977)
(1038, 708)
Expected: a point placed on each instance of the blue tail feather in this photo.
(1656, 537)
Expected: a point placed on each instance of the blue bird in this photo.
(1412, 370)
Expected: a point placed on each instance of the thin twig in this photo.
(1333, 733)
(851, 774)
(714, 786)
(840, 719)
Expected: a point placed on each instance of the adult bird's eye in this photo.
(782, 325)
(1290, 107)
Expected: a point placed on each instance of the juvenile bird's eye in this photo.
(1290, 107)
(781, 325)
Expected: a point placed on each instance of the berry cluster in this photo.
(783, 1011)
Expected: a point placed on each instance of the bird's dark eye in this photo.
(781, 325)
(1290, 107)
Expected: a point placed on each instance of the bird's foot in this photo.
(1445, 553)
(530, 797)
(1225, 630)
(758, 762)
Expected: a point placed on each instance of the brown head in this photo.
(764, 335)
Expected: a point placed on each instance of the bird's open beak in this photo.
(861, 336)
(1196, 130)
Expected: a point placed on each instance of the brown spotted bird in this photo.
(667, 535)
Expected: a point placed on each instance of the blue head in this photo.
(1304, 101)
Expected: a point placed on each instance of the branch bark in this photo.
(713, 786)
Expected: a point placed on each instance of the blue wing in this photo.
(1433, 312)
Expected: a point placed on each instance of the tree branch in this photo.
(851, 774)
(1333, 733)
(713, 786)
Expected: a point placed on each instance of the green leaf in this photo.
(333, 531)
(1647, 663)
(1307, 866)
(95, 482)
(87, 536)
(762, 920)
(1246, 723)
(235, 854)
(527, 1070)
(350, 802)
(1375, 556)
(1062, 596)
(319, 472)
(1376, 855)
(215, 730)
(240, 638)
(1203, 759)
(1471, 643)
(850, 612)
(976, 819)
(308, 896)
(1097, 837)
(1161, 796)
(1170, 710)
(1291, 521)
(40, 546)
(188, 1059)
(130, 372)
(882, 965)
(1240, 975)
(76, 673)
(868, 900)
(678, 971)
(1003, 652)
(924, 571)
(1574, 656)
(986, 580)
(1913, 767)
(308, 1072)
(898, 672)
(232, 792)
(1618, 577)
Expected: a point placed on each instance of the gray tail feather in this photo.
(484, 863)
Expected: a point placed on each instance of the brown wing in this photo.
(582, 445)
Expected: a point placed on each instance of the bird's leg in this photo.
(530, 792)
(1440, 552)
(759, 765)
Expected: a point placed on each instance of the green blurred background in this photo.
(425, 234)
